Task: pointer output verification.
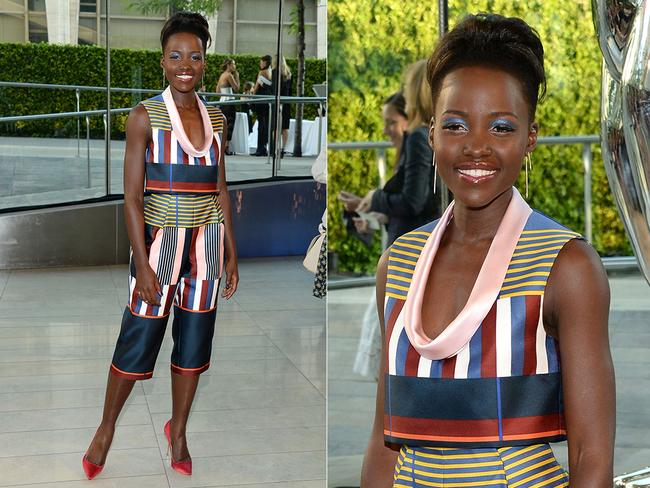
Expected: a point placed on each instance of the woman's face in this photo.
(183, 61)
(262, 64)
(480, 133)
(394, 124)
(232, 67)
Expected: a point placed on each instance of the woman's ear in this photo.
(532, 137)
(432, 126)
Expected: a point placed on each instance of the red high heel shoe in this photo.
(91, 469)
(182, 467)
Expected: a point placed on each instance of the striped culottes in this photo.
(188, 264)
(514, 467)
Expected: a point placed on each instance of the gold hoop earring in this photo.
(528, 164)
(163, 79)
(435, 173)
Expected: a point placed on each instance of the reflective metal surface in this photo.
(613, 22)
(623, 28)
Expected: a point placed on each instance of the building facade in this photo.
(239, 27)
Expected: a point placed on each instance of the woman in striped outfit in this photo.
(494, 316)
(179, 238)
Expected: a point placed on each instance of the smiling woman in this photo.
(494, 316)
(179, 238)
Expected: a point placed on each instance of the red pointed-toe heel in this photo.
(182, 467)
(91, 469)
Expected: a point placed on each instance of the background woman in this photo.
(263, 87)
(408, 197)
(285, 91)
(495, 316)
(177, 239)
(228, 83)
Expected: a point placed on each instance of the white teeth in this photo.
(477, 173)
(184, 77)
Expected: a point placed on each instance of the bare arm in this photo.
(232, 273)
(578, 308)
(138, 134)
(379, 460)
(233, 79)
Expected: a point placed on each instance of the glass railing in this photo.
(71, 156)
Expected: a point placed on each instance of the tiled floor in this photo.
(351, 397)
(259, 415)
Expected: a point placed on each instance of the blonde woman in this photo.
(228, 83)
(285, 91)
(408, 197)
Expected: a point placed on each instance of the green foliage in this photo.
(86, 65)
(205, 7)
(370, 44)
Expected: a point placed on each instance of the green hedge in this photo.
(369, 47)
(86, 65)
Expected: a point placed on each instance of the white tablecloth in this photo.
(309, 136)
(239, 141)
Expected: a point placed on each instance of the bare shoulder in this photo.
(138, 123)
(577, 283)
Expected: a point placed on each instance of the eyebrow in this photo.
(464, 114)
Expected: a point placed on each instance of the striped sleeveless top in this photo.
(182, 181)
(503, 387)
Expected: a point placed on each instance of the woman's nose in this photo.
(476, 147)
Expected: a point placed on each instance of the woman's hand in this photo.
(232, 279)
(362, 225)
(350, 200)
(147, 285)
(366, 202)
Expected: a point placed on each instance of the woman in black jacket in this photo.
(408, 198)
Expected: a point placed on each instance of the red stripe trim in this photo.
(180, 186)
(530, 334)
(130, 376)
(448, 367)
(204, 295)
(462, 429)
(189, 371)
(167, 141)
(488, 344)
(192, 256)
(537, 423)
(412, 361)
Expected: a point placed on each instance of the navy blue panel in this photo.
(182, 173)
(277, 219)
(525, 396)
(441, 398)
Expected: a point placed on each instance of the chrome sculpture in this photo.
(623, 30)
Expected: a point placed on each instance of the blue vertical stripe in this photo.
(498, 380)
(517, 331)
(179, 153)
(436, 368)
(400, 354)
(390, 303)
(551, 353)
(475, 352)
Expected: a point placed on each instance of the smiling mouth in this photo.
(184, 77)
(476, 175)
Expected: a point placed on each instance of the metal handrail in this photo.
(49, 86)
(587, 160)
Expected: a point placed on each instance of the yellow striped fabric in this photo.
(532, 466)
(158, 115)
(165, 210)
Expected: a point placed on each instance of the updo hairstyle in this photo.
(492, 41)
(189, 22)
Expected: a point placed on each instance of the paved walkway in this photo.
(259, 416)
(351, 397)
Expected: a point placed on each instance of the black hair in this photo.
(189, 22)
(494, 41)
(267, 59)
(398, 103)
